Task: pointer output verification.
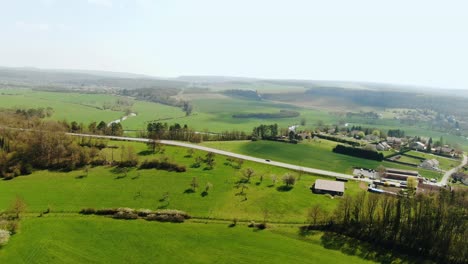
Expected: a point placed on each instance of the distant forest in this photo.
(393, 99)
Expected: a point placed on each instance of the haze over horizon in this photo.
(420, 43)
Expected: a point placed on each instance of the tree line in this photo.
(432, 225)
(176, 131)
(358, 152)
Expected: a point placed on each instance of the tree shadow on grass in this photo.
(189, 190)
(364, 250)
(79, 177)
(119, 177)
(284, 188)
(145, 152)
(204, 193)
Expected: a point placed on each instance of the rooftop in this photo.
(334, 186)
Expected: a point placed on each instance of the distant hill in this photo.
(64, 78)
(33, 77)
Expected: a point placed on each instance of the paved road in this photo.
(230, 154)
(452, 171)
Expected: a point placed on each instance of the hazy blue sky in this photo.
(399, 41)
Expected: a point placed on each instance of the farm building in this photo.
(394, 142)
(331, 187)
(431, 164)
(418, 146)
(401, 175)
(382, 146)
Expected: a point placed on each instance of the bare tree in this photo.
(289, 179)
(194, 184)
(208, 186)
(381, 171)
(248, 174)
(315, 214)
(18, 207)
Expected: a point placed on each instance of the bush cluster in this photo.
(167, 215)
(126, 163)
(260, 226)
(4, 237)
(162, 165)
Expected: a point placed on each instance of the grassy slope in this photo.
(67, 106)
(313, 154)
(216, 115)
(103, 240)
(86, 107)
(104, 188)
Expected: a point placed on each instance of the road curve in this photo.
(452, 171)
(230, 154)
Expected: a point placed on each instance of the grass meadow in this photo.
(106, 187)
(309, 154)
(73, 239)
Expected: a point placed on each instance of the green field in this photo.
(210, 114)
(63, 236)
(309, 154)
(74, 239)
(410, 160)
(67, 192)
(87, 108)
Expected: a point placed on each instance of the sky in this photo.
(418, 42)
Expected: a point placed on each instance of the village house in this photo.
(430, 164)
(445, 150)
(383, 146)
(394, 142)
(417, 146)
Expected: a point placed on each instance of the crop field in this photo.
(55, 239)
(309, 154)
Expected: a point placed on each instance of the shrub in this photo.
(166, 218)
(143, 212)
(126, 210)
(106, 211)
(125, 215)
(13, 226)
(4, 237)
(126, 163)
(88, 211)
(162, 165)
(99, 162)
(168, 215)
